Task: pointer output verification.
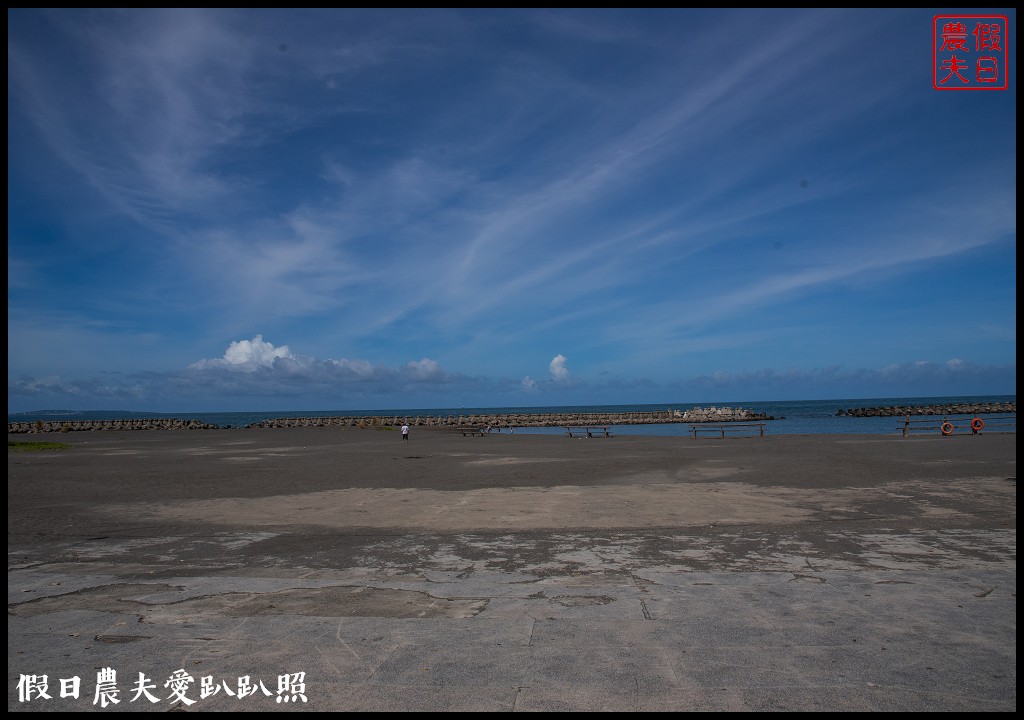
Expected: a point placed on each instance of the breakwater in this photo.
(497, 420)
(944, 409)
(43, 426)
(529, 419)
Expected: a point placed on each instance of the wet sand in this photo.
(517, 572)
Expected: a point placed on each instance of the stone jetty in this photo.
(504, 420)
(44, 426)
(947, 409)
(513, 420)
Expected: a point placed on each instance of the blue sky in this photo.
(342, 209)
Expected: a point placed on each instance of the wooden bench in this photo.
(720, 428)
(471, 431)
(584, 431)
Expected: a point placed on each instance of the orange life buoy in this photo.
(977, 424)
(947, 428)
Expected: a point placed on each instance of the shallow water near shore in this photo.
(816, 417)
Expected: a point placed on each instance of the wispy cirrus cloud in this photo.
(469, 188)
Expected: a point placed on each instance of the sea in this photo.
(791, 417)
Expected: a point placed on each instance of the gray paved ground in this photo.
(515, 572)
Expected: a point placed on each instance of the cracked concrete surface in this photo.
(517, 572)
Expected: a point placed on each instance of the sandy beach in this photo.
(349, 570)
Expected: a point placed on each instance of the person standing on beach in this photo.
(405, 432)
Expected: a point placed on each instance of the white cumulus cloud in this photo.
(424, 369)
(557, 368)
(247, 356)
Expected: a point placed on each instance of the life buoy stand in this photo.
(977, 424)
(947, 428)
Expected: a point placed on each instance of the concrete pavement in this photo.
(347, 570)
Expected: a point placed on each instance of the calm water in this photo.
(793, 417)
